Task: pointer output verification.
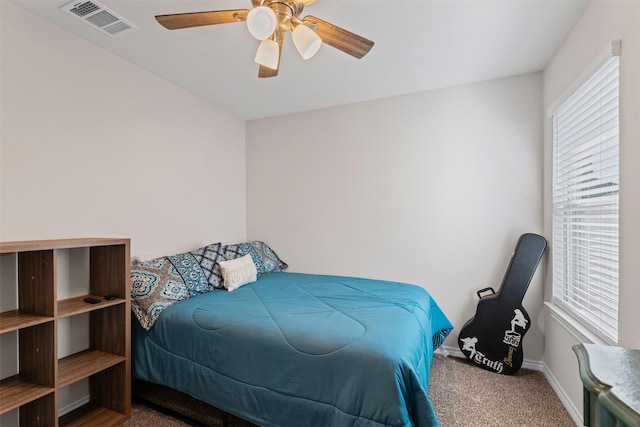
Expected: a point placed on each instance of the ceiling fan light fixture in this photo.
(272, 20)
(262, 22)
(268, 54)
(306, 41)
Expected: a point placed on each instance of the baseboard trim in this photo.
(75, 405)
(533, 365)
(573, 411)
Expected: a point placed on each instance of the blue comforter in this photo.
(301, 350)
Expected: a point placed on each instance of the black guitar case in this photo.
(492, 339)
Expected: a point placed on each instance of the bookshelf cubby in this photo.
(106, 363)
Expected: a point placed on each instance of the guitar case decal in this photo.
(492, 339)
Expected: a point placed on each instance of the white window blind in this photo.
(585, 203)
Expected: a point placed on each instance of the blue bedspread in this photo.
(301, 350)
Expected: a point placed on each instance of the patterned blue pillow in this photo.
(232, 252)
(208, 258)
(155, 285)
(191, 272)
(265, 259)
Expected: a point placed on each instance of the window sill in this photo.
(575, 328)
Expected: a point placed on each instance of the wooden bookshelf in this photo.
(15, 320)
(106, 363)
(16, 392)
(83, 364)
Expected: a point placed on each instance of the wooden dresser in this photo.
(611, 379)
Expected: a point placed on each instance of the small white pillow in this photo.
(238, 272)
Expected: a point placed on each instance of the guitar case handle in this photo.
(485, 290)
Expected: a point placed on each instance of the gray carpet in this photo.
(463, 395)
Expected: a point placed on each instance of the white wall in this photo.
(432, 188)
(602, 22)
(92, 145)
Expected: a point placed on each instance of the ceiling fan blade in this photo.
(265, 72)
(307, 2)
(198, 19)
(340, 38)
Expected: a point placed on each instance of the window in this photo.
(585, 203)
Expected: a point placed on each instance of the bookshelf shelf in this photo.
(106, 363)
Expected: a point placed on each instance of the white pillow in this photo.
(238, 272)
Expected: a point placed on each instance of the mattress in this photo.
(297, 349)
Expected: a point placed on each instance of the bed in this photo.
(300, 350)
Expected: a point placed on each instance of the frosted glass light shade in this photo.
(261, 22)
(306, 40)
(268, 54)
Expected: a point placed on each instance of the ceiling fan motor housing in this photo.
(287, 13)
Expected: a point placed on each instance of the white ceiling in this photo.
(419, 45)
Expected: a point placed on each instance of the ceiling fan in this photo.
(268, 21)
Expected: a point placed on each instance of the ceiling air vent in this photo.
(99, 17)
